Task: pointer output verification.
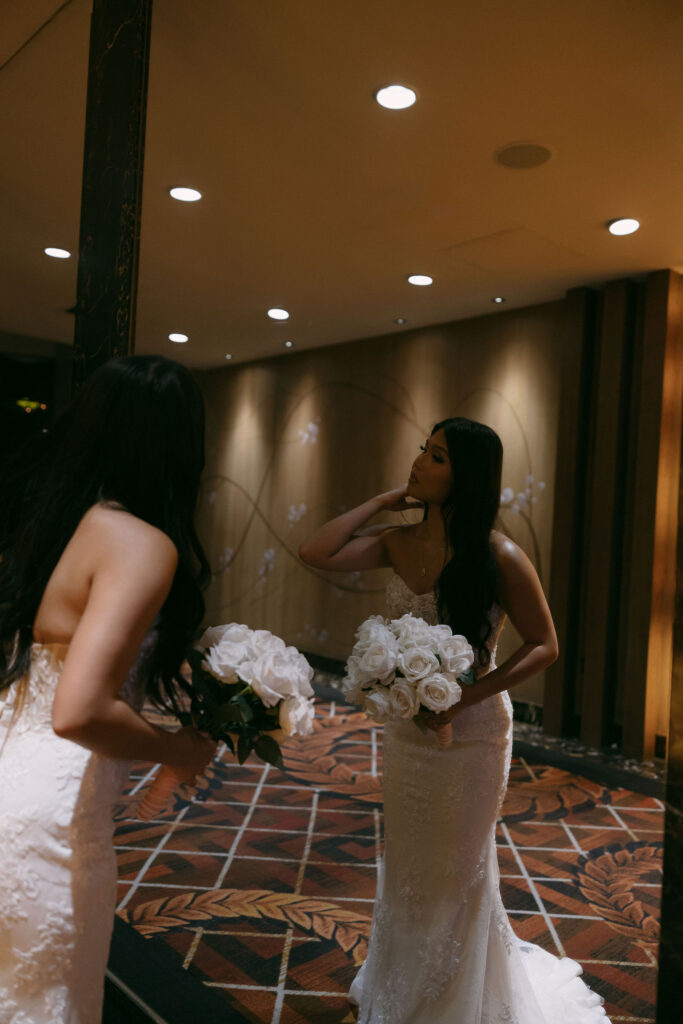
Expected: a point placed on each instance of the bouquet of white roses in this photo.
(248, 690)
(399, 667)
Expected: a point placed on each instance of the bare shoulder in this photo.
(394, 537)
(114, 536)
(510, 557)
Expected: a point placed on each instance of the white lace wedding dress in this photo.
(442, 950)
(57, 863)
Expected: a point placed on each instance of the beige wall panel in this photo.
(295, 440)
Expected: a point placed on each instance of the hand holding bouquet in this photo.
(401, 667)
(248, 690)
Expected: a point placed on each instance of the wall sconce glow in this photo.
(623, 226)
(288, 344)
(421, 280)
(57, 254)
(498, 299)
(185, 195)
(179, 338)
(400, 320)
(278, 314)
(228, 356)
(396, 97)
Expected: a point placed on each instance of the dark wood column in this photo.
(649, 553)
(613, 582)
(112, 183)
(562, 699)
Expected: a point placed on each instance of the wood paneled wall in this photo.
(614, 536)
(295, 439)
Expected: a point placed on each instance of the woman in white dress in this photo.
(442, 950)
(97, 545)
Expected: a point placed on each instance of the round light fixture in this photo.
(498, 299)
(396, 97)
(228, 356)
(400, 320)
(288, 344)
(179, 338)
(421, 280)
(278, 314)
(57, 254)
(623, 226)
(185, 195)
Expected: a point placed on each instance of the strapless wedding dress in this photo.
(442, 950)
(57, 863)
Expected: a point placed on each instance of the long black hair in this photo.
(466, 587)
(133, 437)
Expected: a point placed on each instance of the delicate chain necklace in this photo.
(425, 545)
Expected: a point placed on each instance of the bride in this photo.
(97, 545)
(442, 950)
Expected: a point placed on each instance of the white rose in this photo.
(295, 716)
(355, 679)
(277, 674)
(438, 635)
(233, 631)
(304, 671)
(379, 659)
(404, 700)
(438, 693)
(456, 654)
(224, 660)
(417, 662)
(261, 641)
(377, 705)
(410, 631)
(366, 632)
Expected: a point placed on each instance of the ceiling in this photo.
(317, 199)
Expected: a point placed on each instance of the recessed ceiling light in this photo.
(395, 97)
(623, 226)
(498, 298)
(228, 356)
(400, 320)
(180, 338)
(278, 314)
(420, 279)
(58, 254)
(288, 344)
(185, 195)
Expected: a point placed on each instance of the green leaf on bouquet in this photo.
(420, 724)
(469, 678)
(227, 739)
(229, 712)
(268, 750)
(244, 748)
(246, 708)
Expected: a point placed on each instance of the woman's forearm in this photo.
(526, 661)
(118, 732)
(332, 536)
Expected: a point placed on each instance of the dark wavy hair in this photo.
(466, 587)
(133, 437)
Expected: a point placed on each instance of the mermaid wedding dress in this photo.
(442, 950)
(58, 878)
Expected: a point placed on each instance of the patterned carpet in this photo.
(263, 882)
